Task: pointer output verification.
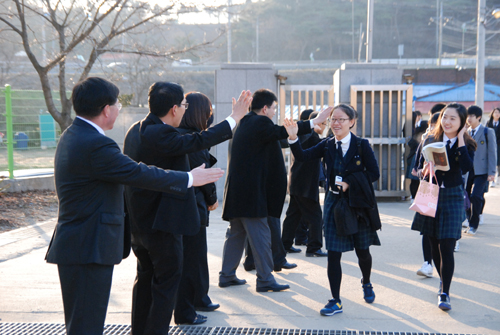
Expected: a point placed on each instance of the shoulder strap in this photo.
(486, 135)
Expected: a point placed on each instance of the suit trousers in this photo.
(308, 210)
(259, 236)
(277, 249)
(201, 298)
(159, 269)
(85, 292)
(476, 186)
(193, 284)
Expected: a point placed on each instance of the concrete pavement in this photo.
(405, 302)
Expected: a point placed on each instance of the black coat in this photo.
(256, 177)
(304, 176)
(89, 170)
(206, 195)
(155, 143)
(497, 134)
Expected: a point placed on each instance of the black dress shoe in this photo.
(208, 308)
(234, 282)
(317, 253)
(293, 250)
(273, 288)
(199, 319)
(248, 267)
(286, 266)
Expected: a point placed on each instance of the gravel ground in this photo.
(26, 208)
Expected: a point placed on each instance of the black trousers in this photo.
(85, 291)
(194, 281)
(279, 253)
(302, 208)
(159, 268)
(476, 186)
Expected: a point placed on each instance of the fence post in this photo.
(10, 133)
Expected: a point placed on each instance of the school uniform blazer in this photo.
(497, 135)
(352, 161)
(460, 159)
(152, 142)
(485, 158)
(256, 177)
(304, 176)
(89, 170)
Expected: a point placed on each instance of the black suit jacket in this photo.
(304, 176)
(256, 176)
(89, 171)
(155, 143)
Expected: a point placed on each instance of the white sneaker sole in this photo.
(424, 274)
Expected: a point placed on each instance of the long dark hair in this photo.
(490, 121)
(198, 112)
(438, 131)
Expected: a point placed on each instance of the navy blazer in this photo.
(353, 162)
(256, 177)
(155, 143)
(460, 160)
(89, 171)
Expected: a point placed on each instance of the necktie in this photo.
(472, 132)
(449, 143)
(339, 148)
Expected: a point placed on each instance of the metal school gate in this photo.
(384, 117)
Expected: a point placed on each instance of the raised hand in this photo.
(323, 115)
(202, 176)
(240, 106)
(291, 128)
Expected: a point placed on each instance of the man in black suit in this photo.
(159, 220)
(255, 189)
(304, 196)
(91, 235)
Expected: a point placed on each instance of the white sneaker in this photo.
(457, 246)
(493, 184)
(481, 221)
(465, 224)
(425, 270)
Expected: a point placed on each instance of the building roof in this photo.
(460, 92)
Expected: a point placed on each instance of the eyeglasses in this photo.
(337, 120)
(118, 105)
(186, 105)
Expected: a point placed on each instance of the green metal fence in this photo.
(29, 133)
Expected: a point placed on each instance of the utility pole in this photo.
(369, 33)
(352, 26)
(481, 13)
(440, 39)
(257, 40)
(437, 29)
(229, 3)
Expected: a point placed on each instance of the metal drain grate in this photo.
(58, 329)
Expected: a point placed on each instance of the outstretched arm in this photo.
(202, 176)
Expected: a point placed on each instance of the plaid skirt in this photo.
(450, 214)
(364, 238)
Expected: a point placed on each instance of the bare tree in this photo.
(88, 29)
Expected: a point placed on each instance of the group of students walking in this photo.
(473, 158)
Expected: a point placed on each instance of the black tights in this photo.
(335, 270)
(444, 260)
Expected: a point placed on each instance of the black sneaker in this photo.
(444, 302)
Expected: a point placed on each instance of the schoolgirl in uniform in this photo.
(351, 168)
(444, 229)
